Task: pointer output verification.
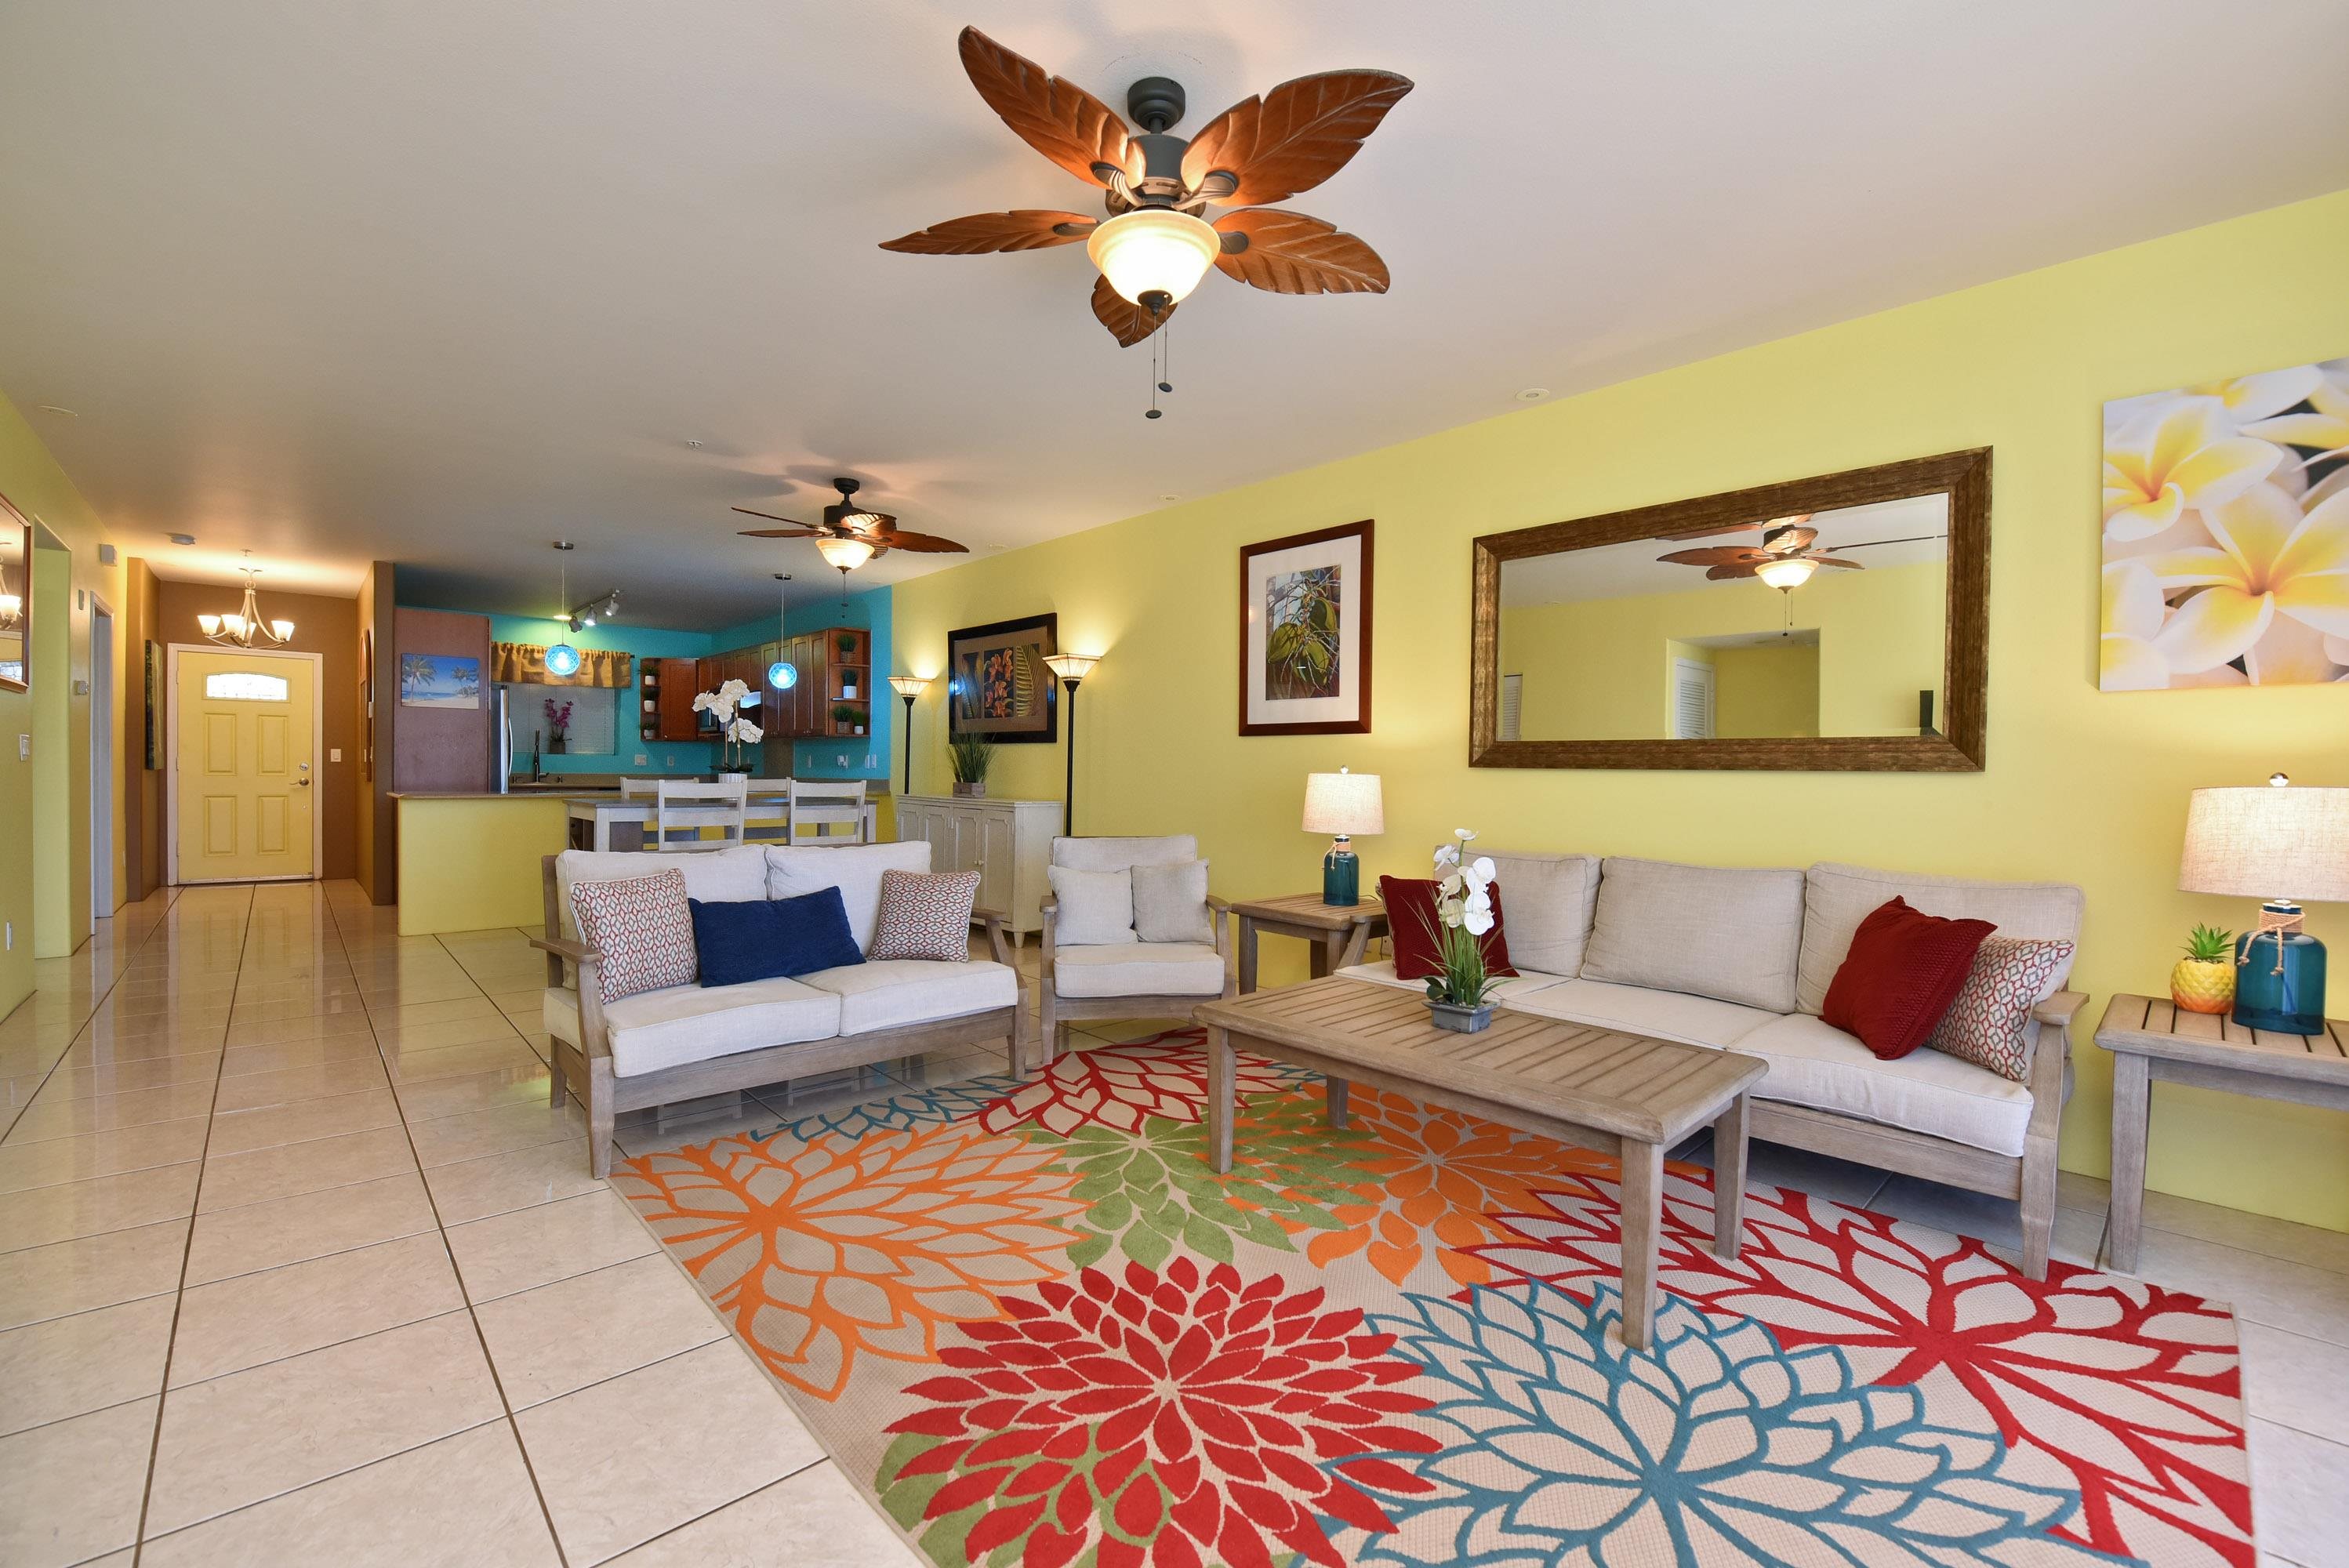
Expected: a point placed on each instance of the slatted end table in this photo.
(2156, 1041)
(1338, 932)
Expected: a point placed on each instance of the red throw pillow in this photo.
(1412, 928)
(1904, 969)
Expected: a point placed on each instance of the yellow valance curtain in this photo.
(526, 662)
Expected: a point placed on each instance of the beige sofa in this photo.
(1740, 960)
(658, 1047)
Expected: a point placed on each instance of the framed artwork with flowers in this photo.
(1305, 632)
(2226, 533)
(998, 687)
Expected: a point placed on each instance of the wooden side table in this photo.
(1338, 932)
(2156, 1041)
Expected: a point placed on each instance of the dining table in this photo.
(612, 821)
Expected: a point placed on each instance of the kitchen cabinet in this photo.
(1008, 842)
(673, 715)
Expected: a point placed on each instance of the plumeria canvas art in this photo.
(1040, 1333)
(2226, 533)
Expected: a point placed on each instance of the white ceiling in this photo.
(1886, 533)
(439, 281)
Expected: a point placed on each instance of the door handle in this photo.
(304, 783)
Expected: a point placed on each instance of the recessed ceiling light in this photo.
(180, 538)
(695, 445)
(1533, 394)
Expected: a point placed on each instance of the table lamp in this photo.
(1342, 804)
(2281, 845)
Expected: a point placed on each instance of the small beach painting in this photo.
(437, 680)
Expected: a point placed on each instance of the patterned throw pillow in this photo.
(643, 928)
(924, 915)
(1988, 1023)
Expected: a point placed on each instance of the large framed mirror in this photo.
(15, 599)
(1840, 623)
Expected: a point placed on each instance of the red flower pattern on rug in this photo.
(2132, 1389)
(1180, 1418)
(1122, 1087)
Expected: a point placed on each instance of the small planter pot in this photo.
(554, 745)
(1459, 1019)
(970, 788)
(730, 777)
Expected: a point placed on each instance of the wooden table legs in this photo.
(1642, 1223)
(1247, 954)
(1728, 1178)
(1220, 1107)
(1333, 1090)
(2132, 1110)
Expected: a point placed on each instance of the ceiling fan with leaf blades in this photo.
(1786, 558)
(850, 535)
(1156, 243)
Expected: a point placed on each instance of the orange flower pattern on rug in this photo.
(838, 1247)
(1440, 1179)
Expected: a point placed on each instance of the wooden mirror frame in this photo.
(1964, 477)
(12, 519)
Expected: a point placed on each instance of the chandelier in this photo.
(246, 626)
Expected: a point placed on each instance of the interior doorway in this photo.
(244, 725)
(101, 762)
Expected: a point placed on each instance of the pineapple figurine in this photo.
(2204, 980)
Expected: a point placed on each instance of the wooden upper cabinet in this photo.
(679, 686)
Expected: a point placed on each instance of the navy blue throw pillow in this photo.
(760, 939)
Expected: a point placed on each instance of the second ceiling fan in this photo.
(850, 535)
(1156, 242)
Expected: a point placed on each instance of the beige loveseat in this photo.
(658, 1047)
(1740, 960)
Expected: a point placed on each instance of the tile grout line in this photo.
(96, 1001)
(187, 1251)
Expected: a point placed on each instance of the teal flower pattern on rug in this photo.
(914, 1108)
(1718, 1448)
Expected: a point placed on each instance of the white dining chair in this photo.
(819, 805)
(698, 806)
(777, 792)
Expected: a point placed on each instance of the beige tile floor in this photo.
(300, 1269)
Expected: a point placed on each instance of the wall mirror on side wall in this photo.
(1835, 624)
(15, 599)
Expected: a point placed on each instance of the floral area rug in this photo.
(1029, 1319)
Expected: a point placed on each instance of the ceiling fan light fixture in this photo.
(1154, 250)
(847, 554)
(1787, 574)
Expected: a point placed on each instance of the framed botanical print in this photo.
(998, 687)
(1305, 633)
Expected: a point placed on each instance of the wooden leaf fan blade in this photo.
(1026, 229)
(1715, 556)
(781, 532)
(1744, 569)
(1127, 322)
(1293, 137)
(1709, 533)
(1792, 540)
(1290, 254)
(925, 543)
(1831, 561)
(1058, 119)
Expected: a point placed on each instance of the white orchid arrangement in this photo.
(1464, 913)
(726, 703)
(2226, 533)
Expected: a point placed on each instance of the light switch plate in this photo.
(81, 689)
(640, 760)
(24, 748)
(334, 754)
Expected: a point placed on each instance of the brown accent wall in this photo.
(142, 789)
(376, 839)
(442, 748)
(328, 627)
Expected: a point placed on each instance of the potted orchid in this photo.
(558, 724)
(1459, 994)
(724, 704)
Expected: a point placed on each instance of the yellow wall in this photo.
(1768, 689)
(32, 481)
(1600, 669)
(469, 865)
(2080, 784)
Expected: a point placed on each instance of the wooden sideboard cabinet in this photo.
(1008, 842)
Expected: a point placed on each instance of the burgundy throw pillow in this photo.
(1904, 969)
(1412, 928)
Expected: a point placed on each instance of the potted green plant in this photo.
(971, 757)
(1459, 995)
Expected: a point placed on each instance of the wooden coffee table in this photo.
(1601, 1089)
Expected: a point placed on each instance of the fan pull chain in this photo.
(1166, 354)
(1154, 412)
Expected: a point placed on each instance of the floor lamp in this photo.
(1072, 669)
(909, 687)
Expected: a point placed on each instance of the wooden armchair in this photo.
(1136, 980)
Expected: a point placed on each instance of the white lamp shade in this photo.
(2276, 841)
(1154, 249)
(1345, 803)
(908, 686)
(847, 554)
(1787, 573)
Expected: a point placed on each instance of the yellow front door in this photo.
(247, 765)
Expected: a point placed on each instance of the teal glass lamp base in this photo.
(2280, 979)
(1341, 876)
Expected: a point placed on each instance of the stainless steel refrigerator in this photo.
(502, 738)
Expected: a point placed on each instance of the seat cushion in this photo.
(1836, 898)
(1635, 1010)
(793, 872)
(1551, 900)
(889, 993)
(1382, 972)
(1123, 854)
(1138, 969)
(655, 1029)
(1731, 933)
(1815, 1064)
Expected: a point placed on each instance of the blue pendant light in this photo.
(783, 674)
(563, 659)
